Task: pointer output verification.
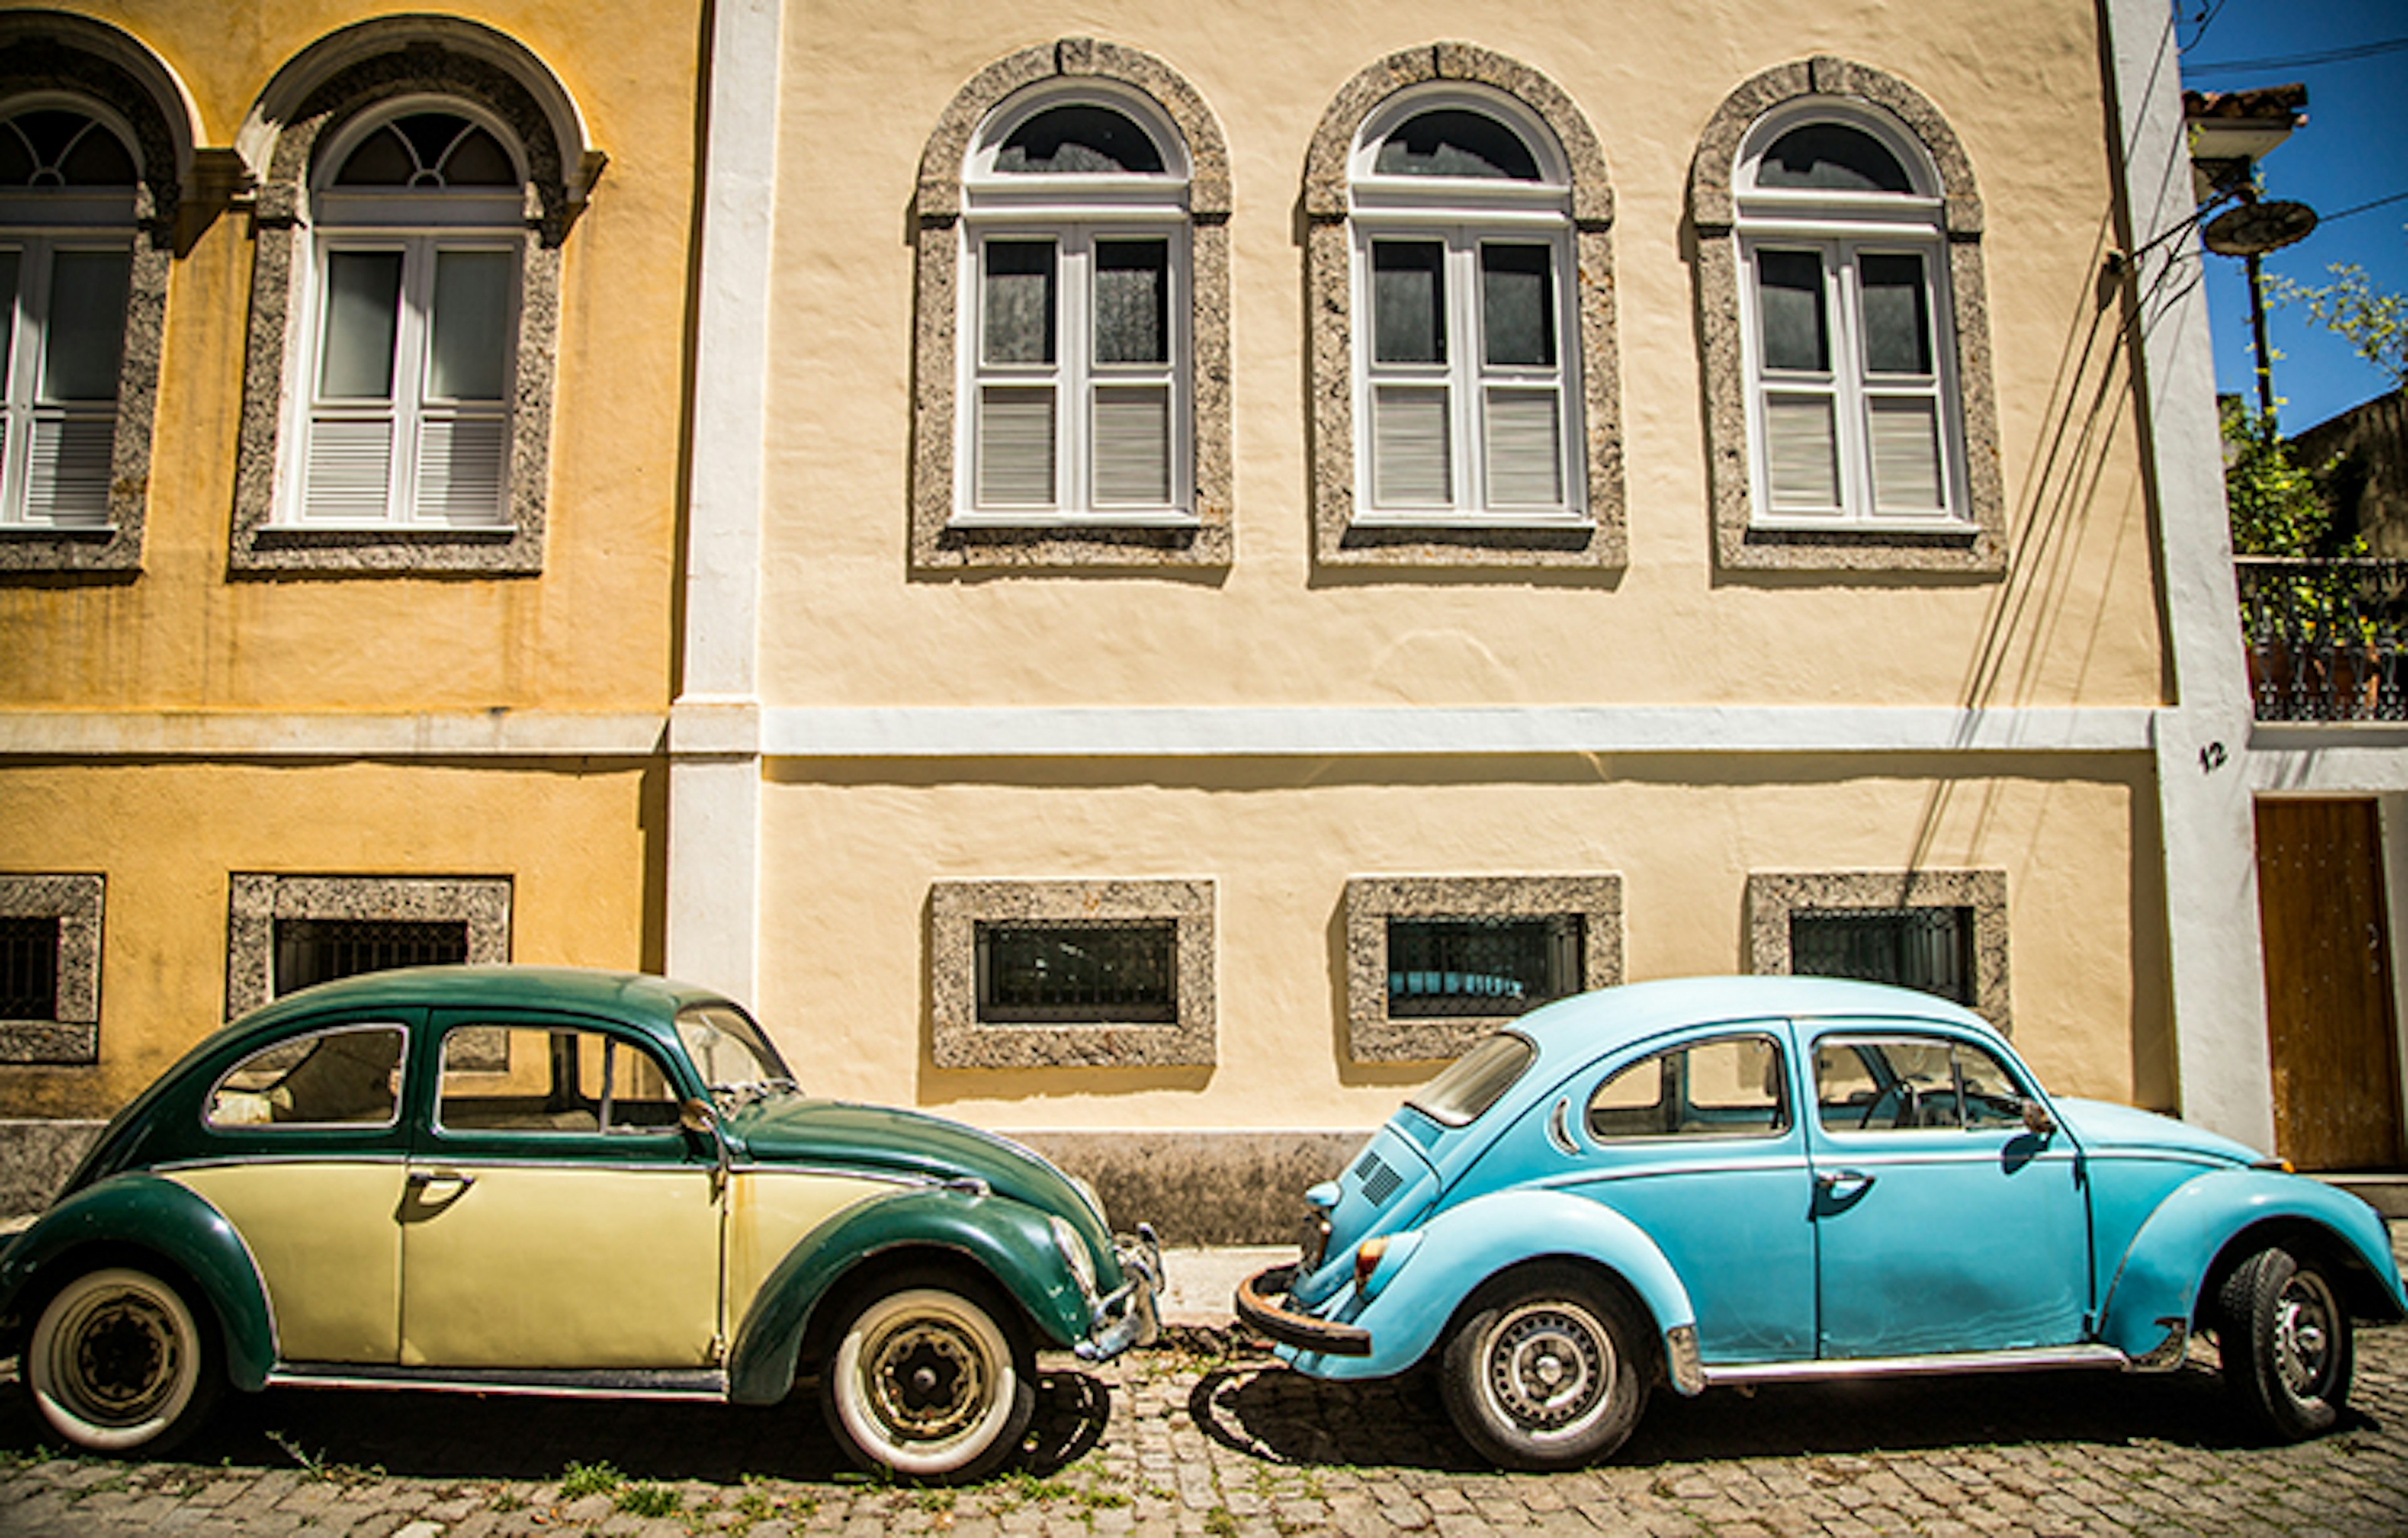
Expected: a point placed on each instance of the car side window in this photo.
(1732, 1086)
(1887, 1084)
(541, 1079)
(347, 1077)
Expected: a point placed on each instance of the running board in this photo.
(2036, 1359)
(687, 1384)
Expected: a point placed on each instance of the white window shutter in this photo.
(1906, 456)
(1526, 450)
(349, 479)
(1133, 445)
(461, 464)
(1410, 463)
(67, 473)
(1801, 451)
(1015, 446)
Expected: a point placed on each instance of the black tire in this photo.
(930, 1378)
(1549, 1370)
(120, 1360)
(2285, 1340)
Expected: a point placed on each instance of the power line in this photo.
(2327, 219)
(2298, 61)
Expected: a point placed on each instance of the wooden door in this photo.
(2330, 1029)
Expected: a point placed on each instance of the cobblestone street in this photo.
(1187, 1440)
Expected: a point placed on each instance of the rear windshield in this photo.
(1457, 1097)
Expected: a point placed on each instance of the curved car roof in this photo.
(635, 998)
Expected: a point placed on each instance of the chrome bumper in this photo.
(1303, 1331)
(1130, 1316)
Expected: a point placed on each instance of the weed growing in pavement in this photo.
(317, 1467)
(1221, 1522)
(650, 1500)
(506, 1501)
(17, 1461)
(584, 1479)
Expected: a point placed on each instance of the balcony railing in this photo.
(2328, 639)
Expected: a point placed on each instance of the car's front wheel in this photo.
(931, 1379)
(1548, 1370)
(2283, 1339)
(117, 1360)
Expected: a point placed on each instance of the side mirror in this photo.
(2037, 1121)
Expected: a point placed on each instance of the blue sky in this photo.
(2353, 150)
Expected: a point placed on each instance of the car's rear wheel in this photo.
(931, 1379)
(2285, 1341)
(119, 1360)
(1547, 1371)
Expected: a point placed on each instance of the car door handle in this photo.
(421, 1179)
(1840, 1185)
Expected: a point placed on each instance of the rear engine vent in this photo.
(1377, 1182)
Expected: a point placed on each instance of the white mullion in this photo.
(1466, 346)
(1074, 304)
(1845, 296)
(23, 378)
(412, 363)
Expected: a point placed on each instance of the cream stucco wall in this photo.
(851, 849)
(592, 632)
(576, 839)
(846, 625)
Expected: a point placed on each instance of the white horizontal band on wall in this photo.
(258, 734)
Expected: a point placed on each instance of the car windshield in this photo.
(728, 1050)
(1457, 1097)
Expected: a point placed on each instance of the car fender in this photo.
(2158, 1283)
(147, 1211)
(1009, 1240)
(1464, 1246)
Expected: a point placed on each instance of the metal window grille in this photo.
(1440, 968)
(29, 969)
(1930, 949)
(2328, 640)
(1124, 972)
(309, 950)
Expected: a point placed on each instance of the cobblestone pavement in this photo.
(1193, 1442)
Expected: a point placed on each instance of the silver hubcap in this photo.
(1549, 1366)
(927, 1380)
(119, 1357)
(2303, 1322)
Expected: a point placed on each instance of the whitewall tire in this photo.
(117, 1360)
(930, 1382)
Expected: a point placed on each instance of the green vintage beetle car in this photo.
(544, 1180)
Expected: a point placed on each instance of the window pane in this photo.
(362, 308)
(1409, 465)
(7, 312)
(341, 1078)
(1526, 455)
(1082, 139)
(471, 352)
(1477, 1079)
(1452, 142)
(1517, 305)
(1069, 973)
(533, 1080)
(1132, 301)
(1790, 285)
(1440, 967)
(1906, 454)
(1018, 311)
(1408, 301)
(1886, 1085)
(1897, 314)
(1727, 1087)
(86, 325)
(1831, 157)
(1016, 446)
(1930, 949)
(1991, 1096)
(1133, 445)
(1801, 451)
(29, 969)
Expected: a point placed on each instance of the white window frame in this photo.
(423, 226)
(1464, 214)
(1842, 228)
(1074, 211)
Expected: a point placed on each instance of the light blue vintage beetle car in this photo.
(1741, 1180)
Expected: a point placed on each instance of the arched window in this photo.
(67, 179)
(1846, 324)
(1075, 324)
(418, 218)
(1467, 408)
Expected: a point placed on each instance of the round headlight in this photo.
(1075, 1255)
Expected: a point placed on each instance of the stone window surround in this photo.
(255, 902)
(1329, 280)
(410, 65)
(1740, 546)
(48, 53)
(1372, 902)
(72, 1038)
(1774, 896)
(936, 208)
(958, 907)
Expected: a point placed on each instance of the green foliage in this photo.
(2375, 323)
(2275, 504)
(584, 1479)
(650, 1500)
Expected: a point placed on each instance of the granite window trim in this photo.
(959, 1041)
(255, 902)
(48, 52)
(411, 67)
(937, 546)
(1604, 542)
(71, 1037)
(1772, 896)
(1981, 549)
(1372, 902)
